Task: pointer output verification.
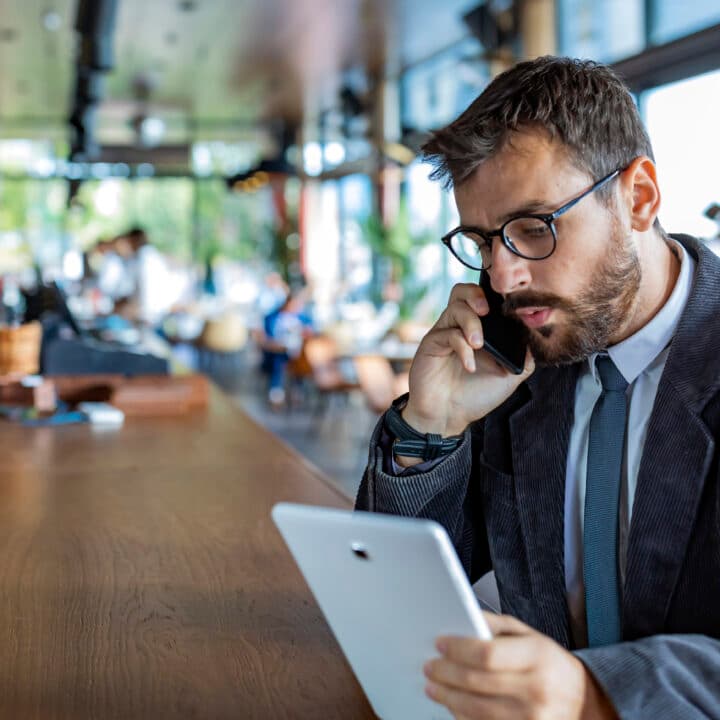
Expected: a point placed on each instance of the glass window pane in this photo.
(674, 18)
(605, 31)
(688, 161)
(438, 90)
(355, 200)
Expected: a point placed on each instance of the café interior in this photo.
(219, 251)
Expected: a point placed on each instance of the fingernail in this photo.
(471, 367)
(476, 339)
(431, 690)
(441, 645)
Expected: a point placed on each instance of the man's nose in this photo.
(509, 272)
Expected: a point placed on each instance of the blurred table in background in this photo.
(141, 575)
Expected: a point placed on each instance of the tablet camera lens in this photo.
(359, 551)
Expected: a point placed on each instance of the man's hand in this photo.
(519, 674)
(452, 380)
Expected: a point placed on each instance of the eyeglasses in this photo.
(532, 237)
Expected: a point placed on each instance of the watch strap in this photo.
(411, 443)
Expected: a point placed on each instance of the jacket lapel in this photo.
(540, 433)
(677, 456)
(670, 482)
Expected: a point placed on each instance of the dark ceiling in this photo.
(211, 68)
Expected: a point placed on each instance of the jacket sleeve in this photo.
(446, 493)
(662, 677)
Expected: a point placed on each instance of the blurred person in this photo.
(113, 278)
(155, 287)
(589, 482)
(274, 291)
(285, 330)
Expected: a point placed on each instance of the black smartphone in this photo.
(504, 336)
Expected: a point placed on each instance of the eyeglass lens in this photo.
(529, 237)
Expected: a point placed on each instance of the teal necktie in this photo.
(602, 502)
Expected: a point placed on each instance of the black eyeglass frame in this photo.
(547, 218)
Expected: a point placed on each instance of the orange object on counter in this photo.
(20, 349)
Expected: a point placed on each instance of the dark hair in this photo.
(137, 237)
(581, 103)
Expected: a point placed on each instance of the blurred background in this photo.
(232, 188)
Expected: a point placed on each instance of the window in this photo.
(162, 206)
(682, 121)
(437, 91)
(604, 31)
(672, 19)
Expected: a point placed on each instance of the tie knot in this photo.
(610, 377)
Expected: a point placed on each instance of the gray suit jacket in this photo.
(500, 496)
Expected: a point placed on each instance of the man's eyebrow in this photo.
(533, 207)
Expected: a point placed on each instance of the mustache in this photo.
(531, 298)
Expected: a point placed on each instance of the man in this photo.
(589, 483)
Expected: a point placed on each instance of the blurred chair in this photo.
(220, 346)
(224, 334)
(331, 374)
(379, 384)
(299, 376)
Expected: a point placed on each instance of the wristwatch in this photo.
(411, 443)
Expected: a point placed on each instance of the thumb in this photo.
(506, 625)
(529, 368)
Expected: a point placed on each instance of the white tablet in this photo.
(388, 586)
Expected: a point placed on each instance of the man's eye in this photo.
(527, 229)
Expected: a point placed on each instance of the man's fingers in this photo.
(506, 653)
(463, 677)
(529, 368)
(471, 294)
(459, 314)
(444, 342)
(463, 704)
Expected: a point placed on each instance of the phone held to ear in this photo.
(504, 336)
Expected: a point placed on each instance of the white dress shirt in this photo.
(641, 360)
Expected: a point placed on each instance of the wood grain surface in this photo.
(142, 577)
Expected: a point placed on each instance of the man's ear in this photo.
(641, 192)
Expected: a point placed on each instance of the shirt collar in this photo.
(633, 355)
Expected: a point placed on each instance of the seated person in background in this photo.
(285, 329)
(589, 483)
(272, 292)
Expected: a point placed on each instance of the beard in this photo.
(593, 318)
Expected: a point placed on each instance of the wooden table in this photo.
(141, 576)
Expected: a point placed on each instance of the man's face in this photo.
(578, 300)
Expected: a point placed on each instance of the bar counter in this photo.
(142, 577)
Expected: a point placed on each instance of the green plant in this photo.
(394, 249)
